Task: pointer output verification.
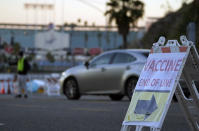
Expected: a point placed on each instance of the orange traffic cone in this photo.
(2, 88)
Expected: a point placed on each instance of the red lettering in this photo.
(168, 83)
(143, 82)
(162, 67)
(161, 83)
(171, 65)
(153, 83)
(167, 64)
(151, 67)
(177, 67)
(147, 65)
(156, 67)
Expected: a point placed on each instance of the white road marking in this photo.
(1, 124)
(90, 109)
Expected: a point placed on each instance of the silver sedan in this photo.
(114, 73)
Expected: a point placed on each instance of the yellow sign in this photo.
(146, 106)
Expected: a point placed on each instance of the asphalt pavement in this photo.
(90, 113)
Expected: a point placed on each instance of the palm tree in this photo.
(125, 13)
(79, 21)
(50, 57)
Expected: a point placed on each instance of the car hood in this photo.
(74, 69)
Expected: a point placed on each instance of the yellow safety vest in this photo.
(20, 64)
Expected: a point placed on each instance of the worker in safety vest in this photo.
(22, 69)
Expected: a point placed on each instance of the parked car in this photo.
(114, 73)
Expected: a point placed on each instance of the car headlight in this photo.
(63, 74)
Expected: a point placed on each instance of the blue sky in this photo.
(12, 11)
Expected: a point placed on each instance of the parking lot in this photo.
(90, 113)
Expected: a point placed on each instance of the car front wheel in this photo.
(71, 89)
(130, 86)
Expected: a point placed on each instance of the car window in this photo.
(123, 58)
(104, 59)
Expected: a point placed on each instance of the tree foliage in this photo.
(173, 25)
(16, 48)
(125, 13)
(50, 57)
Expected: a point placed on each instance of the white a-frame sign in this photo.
(165, 66)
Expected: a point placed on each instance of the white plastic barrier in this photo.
(10, 86)
(53, 88)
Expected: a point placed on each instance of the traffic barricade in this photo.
(53, 88)
(159, 80)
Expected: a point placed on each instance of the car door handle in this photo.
(103, 69)
(128, 68)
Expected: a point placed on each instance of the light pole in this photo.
(39, 7)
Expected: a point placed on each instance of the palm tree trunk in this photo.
(124, 37)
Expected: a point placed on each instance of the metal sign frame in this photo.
(188, 73)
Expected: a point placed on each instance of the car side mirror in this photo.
(86, 64)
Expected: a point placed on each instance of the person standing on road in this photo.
(22, 69)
